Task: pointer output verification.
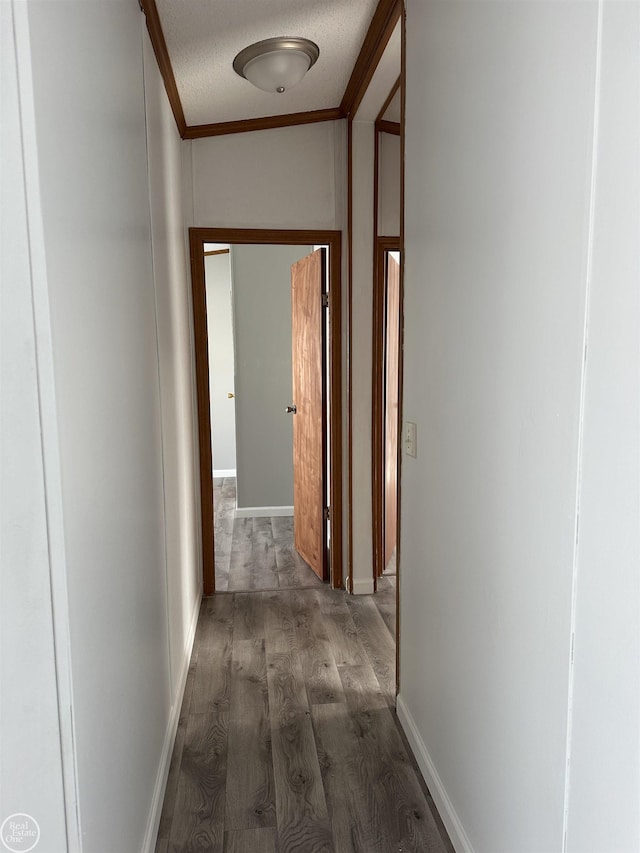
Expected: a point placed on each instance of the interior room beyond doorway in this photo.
(247, 413)
(249, 328)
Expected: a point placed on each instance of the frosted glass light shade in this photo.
(278, 70)
(276, 64)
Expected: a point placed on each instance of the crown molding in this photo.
(382, 25)
(159, 44)
(199, 131)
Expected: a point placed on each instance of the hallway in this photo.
(287, 740)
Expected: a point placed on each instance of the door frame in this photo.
(378, 447)
(333, 239)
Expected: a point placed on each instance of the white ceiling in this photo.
(204, 36)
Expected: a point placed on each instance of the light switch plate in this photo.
(411, 439)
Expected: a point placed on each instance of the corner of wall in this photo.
(162, 775)
(447, 812)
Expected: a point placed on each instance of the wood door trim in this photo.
(200, 337)
(383, 126)
(382, 25)
(377, 350)
(394, 89)
(403, 95)
(349, 583)
(382, 245)
(161, 52)
(197, 238)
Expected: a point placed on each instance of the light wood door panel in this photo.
(309, 388)
(392, 346)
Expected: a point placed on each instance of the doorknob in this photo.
(230, 395)
(291, 410)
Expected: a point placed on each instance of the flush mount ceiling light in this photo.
(277, 64)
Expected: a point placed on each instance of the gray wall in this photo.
(217, 270)
(261, 277)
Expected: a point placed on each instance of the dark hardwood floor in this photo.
(288, 739)
(254, 553)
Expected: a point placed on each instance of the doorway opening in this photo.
(314, 418)
(267, 423)
(386, 410)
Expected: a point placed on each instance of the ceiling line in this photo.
(380, 29)
(382, 26)
(390, 97)
(198, 131)
(159, 44)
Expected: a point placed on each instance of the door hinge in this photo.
(327, 513)
(325, 300)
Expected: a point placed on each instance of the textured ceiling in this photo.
(203, 37)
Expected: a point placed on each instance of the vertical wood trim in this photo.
(196, 246)
(349, 348)
(403, 95)
(159, 44)
(378, 447)
(377, 368)
(382, 25)
(335, 415)
(197, 238)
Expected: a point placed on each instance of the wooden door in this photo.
(309, 395)
(392, 352)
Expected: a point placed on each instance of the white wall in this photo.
(261, 278)
(389, 184)
(604, 789)
(177, 372)
(122, 538)
(363, 164)
(31, 568)
(499, 140)
(217, 269)
(281, 178)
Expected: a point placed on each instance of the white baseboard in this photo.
(155, 812)
(224, 472)
(445, 808)
(362, 586)
(263, 511)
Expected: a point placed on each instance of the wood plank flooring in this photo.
(254, 553)
(288, 741)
